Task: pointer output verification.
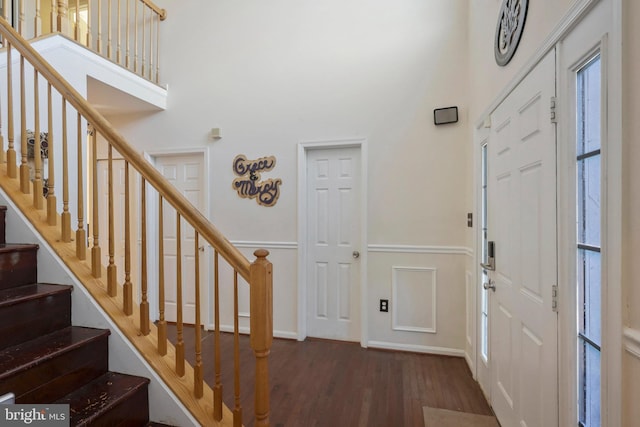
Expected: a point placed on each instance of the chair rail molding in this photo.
(264, 245)
(421, 249)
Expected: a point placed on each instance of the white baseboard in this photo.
(444, 351)
(469, 360)
(632, 341)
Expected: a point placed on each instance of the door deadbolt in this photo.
(489, 285)
(356, 254)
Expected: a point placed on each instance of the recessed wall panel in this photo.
(413, 305)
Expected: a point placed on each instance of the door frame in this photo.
(303, 148)
(152, 224)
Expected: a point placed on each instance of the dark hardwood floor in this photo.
(333, 384)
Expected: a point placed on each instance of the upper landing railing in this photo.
(126, 32)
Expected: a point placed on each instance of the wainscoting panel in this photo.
(470, 307)
(413, 304)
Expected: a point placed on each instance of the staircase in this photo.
(54, 183)
(44, 359)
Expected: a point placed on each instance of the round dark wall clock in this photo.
(513, 14)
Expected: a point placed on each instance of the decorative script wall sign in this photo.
(513, 13)
(250, 186)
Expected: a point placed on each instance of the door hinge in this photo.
(554, 298)
(552, 107)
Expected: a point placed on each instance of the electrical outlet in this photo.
(384, 305)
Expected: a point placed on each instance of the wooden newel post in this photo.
(261, 289)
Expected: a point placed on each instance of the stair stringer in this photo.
(164, 406)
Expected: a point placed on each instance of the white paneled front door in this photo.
(522, 222)
(333, 270)
(186, 173)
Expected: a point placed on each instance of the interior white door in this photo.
(333, 270)
(522, 222)
(185, 172)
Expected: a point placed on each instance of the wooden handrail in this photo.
(162, 13)
(186, 209)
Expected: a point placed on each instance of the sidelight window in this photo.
(588, 256)
(484, 299)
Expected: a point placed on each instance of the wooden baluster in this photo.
(76, 27)
(2, 152)
(158, 53)
(151, 52)
(51, 195)
(179, 324)
(162, 324)
(198, 378)
(119, 51)
(65, 220)
(127, 38)
(261, 324)
(81, 234)
(144, 303)
(96, 253)
(25, 181)
(127, 288)
(112, 270)
(37, 25)
(144, 44)
(5, 15)
(37, 146)
(12, 170)
(109, 40)
(99, 26)
(135, 36)
(89, 38)
(237, 409)
(62, 18)
(53, 18)
(21, 19)
(217, 387)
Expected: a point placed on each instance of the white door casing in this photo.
(186, 173)
(333, 181)
(522, 222)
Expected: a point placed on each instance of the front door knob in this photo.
(356, 254)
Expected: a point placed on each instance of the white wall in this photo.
(273, 74)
